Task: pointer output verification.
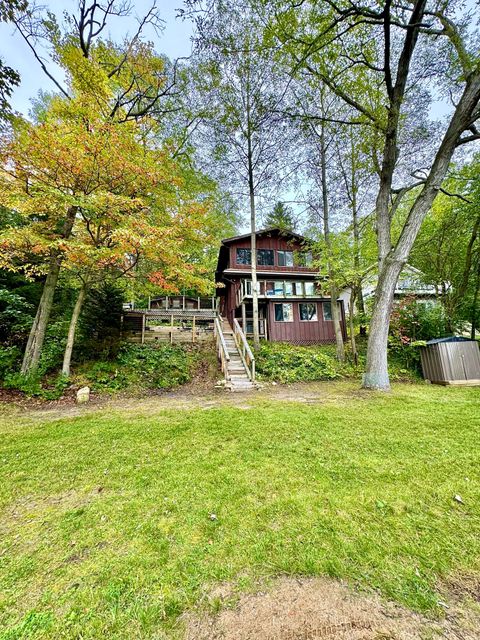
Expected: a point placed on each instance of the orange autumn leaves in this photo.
(132, 201)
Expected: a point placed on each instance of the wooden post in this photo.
(171, 330)
(149, 302)
(193, 330)
(143, 328)
(121, 326)
(244, 318)
(183, 303)
(198, 303)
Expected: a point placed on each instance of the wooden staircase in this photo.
(238, 377)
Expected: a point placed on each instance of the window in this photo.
(327, 310)
(278, 289)
(308, 258)
(308, 311)
(285, 258)
(309, 288)
(299, 289)
(289, 288)
(244, 256)
(265, 257)
(248, 287)
(269, 288)
(284, 312)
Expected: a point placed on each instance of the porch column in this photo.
(244, 318)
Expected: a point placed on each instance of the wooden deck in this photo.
(168, 325)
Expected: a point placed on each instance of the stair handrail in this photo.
(244, 349)
(222, 350)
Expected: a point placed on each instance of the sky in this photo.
(175, 42)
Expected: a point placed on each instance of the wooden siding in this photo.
(302, 331)
(277, 243)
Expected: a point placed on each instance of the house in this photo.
(292, 307)
(411, 282)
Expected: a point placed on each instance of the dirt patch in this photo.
(314, 609)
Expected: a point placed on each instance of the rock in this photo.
(213, 516)
(83, 395)
(458, 499)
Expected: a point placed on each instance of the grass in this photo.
(107, 530)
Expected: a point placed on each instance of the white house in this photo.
(410, 282)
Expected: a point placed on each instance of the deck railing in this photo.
(244, 349)
(222, 351)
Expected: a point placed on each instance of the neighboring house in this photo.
(411, 282)
(291, 305)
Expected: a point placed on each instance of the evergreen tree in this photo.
(281, 217)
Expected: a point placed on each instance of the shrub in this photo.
(99, 334)
(412, 321)
(289, 363)
(15, 317)
(149, 366)
(9, 360)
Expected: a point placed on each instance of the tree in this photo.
(238, 75)
(123, 83)
(355, 49)
(447, 249)
(281, 217)
(9, 78)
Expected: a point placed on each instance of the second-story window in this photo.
(285, 258)
(265, 257)
(244, 256)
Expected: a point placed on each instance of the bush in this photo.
(284, 362)
(9, 360)
(15, 317)
(412, 321)
(99, 334)
(148, 366)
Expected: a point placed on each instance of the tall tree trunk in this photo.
(38, 330)
(357, 293)
(473, 315)
(340, 348)
(253, 229)
(376, 373)
(77, 309)
(351, 318)
(36, 337)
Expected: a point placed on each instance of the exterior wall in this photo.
(277, 243)
(298, 331)
(302, 331)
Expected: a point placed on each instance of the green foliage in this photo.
(289, 363)
(9, 360)
(282, 217)
(31, 384)
(412, 322)
(100, 322)
(147, 366)
(15, 316)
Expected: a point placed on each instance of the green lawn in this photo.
(106, 527)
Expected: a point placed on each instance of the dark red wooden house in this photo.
(292, 307)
